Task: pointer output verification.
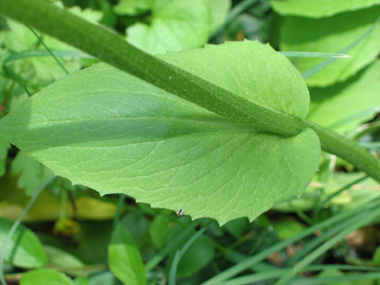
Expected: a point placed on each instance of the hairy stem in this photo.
(109, 47)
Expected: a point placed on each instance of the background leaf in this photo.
(318, 8)
(62, 259)
(45, 276)
(124, 258)
(344, 105)
(219, 11)
(31, 173)
(36, 72)
(121, 135)
(24, 248)
(288, 229)
(47, 205)
(333, 34)
(236, 227)
(174, 25)
(132, 7)
(158, 230)
(197, 256)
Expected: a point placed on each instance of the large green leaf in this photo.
(121, 135)
(24, 248)
(344, 105)
(318, 8)
(174, 25)
(124, 258)
(333, 34)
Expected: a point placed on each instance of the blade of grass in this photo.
(118, 210)
(361, 220)
(10, 73)
(181, 252)
(356, 116)
(320, 205)
(17, 223)
(15, 77)
(319, 240)
(367, 129)
(314, 54)
(48, 50)
(310, 72)
(375, 146)
(43, 53)
(300, 213)
(251, 278)
(337, 279)
(242, 266)
(171, 246)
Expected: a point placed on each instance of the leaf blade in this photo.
(133, 138)
(24, 248)
(124, 258)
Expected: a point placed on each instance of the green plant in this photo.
(218, 131)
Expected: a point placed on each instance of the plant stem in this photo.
(109, 47)
(347, 149)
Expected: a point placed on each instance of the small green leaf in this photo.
(81, 281)
(335, 273)
(45, 276)
(159, 229)
(333, 34)
(219, 12)
(174, 25)
(132, 7)
(197, 256)
(137, 225)
(237, 227)
(60, 258)
(32, 174)
(122, 135)
(24, 248)
(318, 8)
(102, 277)
(288, 229)
(376, 257)
(90, 15)
(345, 105)
(124, 258)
